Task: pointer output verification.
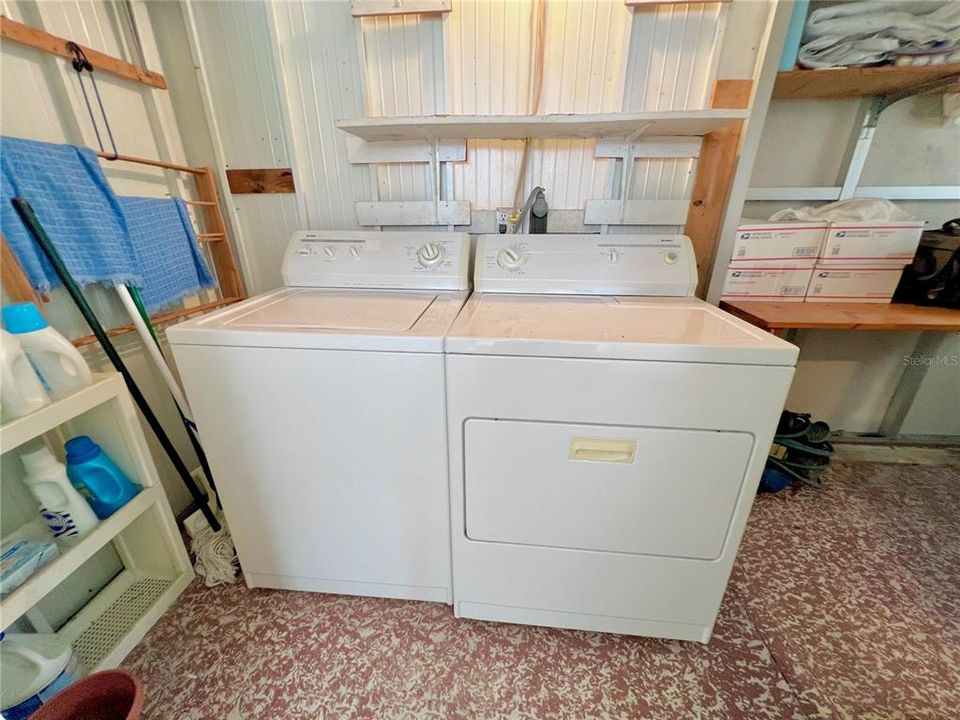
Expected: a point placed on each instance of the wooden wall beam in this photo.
(44, 41)
(260, 180)
(715, 172)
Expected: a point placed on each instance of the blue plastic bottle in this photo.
(97, 478)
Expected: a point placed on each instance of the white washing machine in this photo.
(607, 435)
(321, 409)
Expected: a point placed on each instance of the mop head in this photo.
(216, 557)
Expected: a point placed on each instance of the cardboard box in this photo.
(853, 285)
(871, 244)
(771, 284)
(777, 244)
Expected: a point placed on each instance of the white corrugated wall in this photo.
(600, 56)
(240, 72)
(674, 53)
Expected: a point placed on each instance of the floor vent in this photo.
(104, 633)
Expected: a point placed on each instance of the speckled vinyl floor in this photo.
(844, 603)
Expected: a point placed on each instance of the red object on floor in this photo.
(108, 695)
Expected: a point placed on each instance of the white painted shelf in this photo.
(105, 387)
(673, 123)
(14, 605)
(143, 532)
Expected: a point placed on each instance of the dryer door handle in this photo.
(613, 450)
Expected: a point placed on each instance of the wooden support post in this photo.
(45, 42)
(715, 172)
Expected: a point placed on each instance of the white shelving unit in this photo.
(144, 533)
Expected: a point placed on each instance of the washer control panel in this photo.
(352, 258)
(659, 265)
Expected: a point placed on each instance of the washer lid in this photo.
(357, 310)
(399, 320)
(616, 327)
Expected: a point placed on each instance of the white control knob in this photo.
(671, 258)
(429, 254)
(330, 251)
(354, 251)
(510, 258)
(613, 256)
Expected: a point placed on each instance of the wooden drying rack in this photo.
(213, 231)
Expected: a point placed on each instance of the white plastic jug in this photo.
(35, 668)
(20, 389)
(60, 365)
(66, 513)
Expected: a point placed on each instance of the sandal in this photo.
(793, 424)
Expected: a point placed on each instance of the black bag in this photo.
(933, 278)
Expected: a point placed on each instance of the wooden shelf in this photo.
(857, 82)
(683, 123)
(23, 429)
(14, 605)
(844, 316)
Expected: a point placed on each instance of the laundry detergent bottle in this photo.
(66, 513)
(99, 480)
(21, 391)
(59, 364)
(35, 668)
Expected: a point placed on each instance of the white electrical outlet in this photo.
(505, 220)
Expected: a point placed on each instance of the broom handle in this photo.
(141, 321)
(152, 346)
(39, 234)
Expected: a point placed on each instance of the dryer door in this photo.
(639, 490)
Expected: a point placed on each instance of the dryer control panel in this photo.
(388, 260)
(655, 265)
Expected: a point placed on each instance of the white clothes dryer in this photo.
(607, 432)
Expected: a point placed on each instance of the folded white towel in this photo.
(872, 31)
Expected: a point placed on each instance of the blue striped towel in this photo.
(73, 201)
(145, 242)
(166, 249)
